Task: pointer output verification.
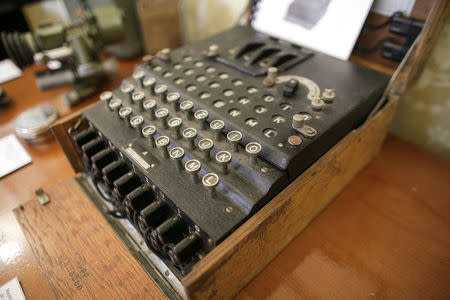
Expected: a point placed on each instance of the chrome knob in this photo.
(193, 166)
(210, 181)
(253, 149)
(234, 138)
(223, 158)
(217, 126)
(190, 134)
(205, 146)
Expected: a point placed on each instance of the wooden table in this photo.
(387, 235)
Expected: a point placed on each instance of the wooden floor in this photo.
(386, 236)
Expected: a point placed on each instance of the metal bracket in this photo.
(307, 131)
(42, 196)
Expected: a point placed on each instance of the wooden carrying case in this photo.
(80, 255)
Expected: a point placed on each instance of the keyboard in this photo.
(200, 138)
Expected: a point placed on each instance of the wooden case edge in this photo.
(255, 243)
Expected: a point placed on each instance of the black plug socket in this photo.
(406, 26)
(394, 51)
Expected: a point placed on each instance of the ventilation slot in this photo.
(250, 47)
(281, 60)
(262, 55)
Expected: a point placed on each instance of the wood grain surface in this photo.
(78, 252)
(438, 17)
(256, 242)
(386, 236)
(46, 157)
(49, 167)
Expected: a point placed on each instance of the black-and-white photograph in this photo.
(306, 13)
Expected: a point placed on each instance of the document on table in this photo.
(13, 155)
(12, 290)
(8, 71)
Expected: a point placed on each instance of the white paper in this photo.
(12, 155)
(12, 290)
(328, 26)
(388, 7)
(8, 71)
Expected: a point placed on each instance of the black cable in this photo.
(385, 23)
(101, 189)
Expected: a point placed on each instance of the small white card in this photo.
(13, 155)
(12, 290)
(8, 71)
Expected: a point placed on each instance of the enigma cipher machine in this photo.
(200, 138)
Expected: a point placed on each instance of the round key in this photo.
(192, 167)
(162, 143)
(328, 96)
(127, 89)
(297, 121)
(317, 104)
(173, 98)
(137, 122)
(139, 75)
(201, 116)
(160, 91)
(149, 132)
(138, 98)
(294, 141)
(148, 83)
(210, 181)
(234, 138)
(217, 127)
(149, 105)
(271, 77)
(162, 114)
(190, 134)
(206, 145)
(115, 104)
(223, 158)
(253, 149)
(213, 50)
(175, 124)
(105, 97)
(125, 113)
(186, 107)
(164, 54)
(177, 154)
